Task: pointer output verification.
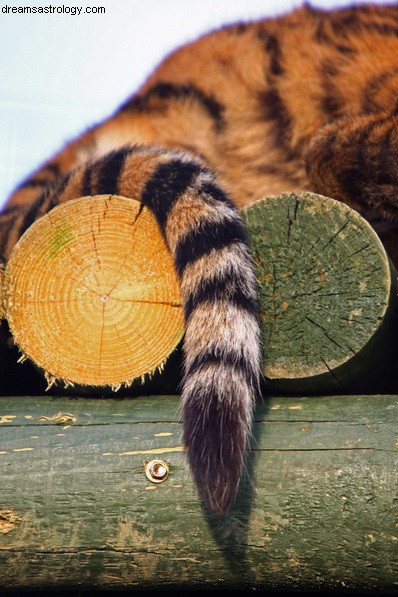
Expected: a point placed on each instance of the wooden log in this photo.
(91, 296)
(328, 298)
(316, 510)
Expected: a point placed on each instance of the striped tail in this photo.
(206, 237)
(222, 342)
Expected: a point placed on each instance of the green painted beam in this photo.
(317, 509)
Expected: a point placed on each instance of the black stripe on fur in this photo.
(230, 358)
(164, 92)
(166, 185)
(208, 237)
(227, 288)
(110, 169)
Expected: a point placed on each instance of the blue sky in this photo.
(60, 73)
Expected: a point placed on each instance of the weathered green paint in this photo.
(315, 511)
(328, 303)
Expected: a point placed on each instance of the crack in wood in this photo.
(290, 219)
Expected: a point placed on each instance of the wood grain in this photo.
(91, 296)
(328, 305)
(315, 511)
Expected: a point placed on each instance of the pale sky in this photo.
(62, 72)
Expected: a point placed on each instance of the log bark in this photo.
(328, 299)
(315, 511)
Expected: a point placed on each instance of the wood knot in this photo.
(8, 520)
(59, 419)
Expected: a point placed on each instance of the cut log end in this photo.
(91, 294)
(327, 298)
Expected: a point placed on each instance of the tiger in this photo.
(303, 101)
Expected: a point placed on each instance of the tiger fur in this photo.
(303, 101)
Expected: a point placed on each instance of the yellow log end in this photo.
(91, 294)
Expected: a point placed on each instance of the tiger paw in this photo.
(90, 293)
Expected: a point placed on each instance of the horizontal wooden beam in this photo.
(79, 509)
